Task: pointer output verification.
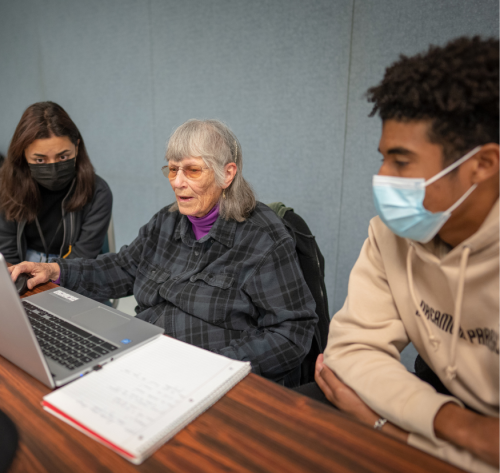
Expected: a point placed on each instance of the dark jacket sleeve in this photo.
(95, 221)
(109, 276)
(8, 240)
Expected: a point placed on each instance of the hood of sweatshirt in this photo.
(482, 244)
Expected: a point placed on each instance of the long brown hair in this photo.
(19, 194)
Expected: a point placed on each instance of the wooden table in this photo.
(258, 426)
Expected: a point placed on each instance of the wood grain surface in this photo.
(258, 426)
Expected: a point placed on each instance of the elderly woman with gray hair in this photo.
(215, 269)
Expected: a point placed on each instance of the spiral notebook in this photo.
(141, 400)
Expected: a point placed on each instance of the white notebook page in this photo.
(133, 398)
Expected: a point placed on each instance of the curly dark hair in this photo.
(455, 87)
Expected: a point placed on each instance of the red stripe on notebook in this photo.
(102, 439)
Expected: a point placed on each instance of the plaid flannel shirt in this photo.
(238, 291)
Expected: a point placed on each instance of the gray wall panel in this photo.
(96, 64)
(20, 75)
(383, 30)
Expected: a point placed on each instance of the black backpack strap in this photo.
(312, 264)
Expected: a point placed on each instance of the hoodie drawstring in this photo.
(451, 369)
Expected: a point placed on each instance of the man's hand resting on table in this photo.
(40, 272)
(474, 432)
(345, 399)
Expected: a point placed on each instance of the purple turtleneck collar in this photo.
(202, 225)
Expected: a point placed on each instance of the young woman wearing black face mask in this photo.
(52, 204)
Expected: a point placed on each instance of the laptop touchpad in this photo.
(99, 319)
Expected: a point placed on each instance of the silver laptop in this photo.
(58, 335)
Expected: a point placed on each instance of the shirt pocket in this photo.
(206, 296)
(148, 283)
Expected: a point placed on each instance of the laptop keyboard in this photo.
(63, 342)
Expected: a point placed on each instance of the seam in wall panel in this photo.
(337, 252)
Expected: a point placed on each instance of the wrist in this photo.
(366, 416)
(473, 432)
(55, 271)
(452, 423)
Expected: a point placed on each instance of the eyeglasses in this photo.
(192, 171)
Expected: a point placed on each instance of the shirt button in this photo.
(196, 253)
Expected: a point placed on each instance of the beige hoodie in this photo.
(401, 291)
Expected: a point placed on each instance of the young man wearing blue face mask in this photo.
(429, 271)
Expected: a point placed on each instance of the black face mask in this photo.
(54, 176)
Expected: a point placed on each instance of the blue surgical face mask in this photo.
(400, 204)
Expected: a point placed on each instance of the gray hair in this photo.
(217, 145)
